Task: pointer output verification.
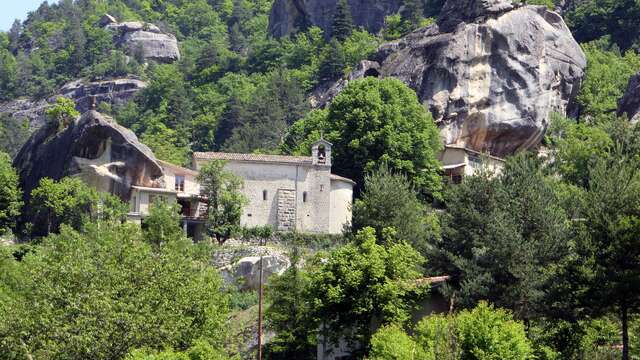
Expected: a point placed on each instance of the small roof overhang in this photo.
(154, 190)
(453, 166)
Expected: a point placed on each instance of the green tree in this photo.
(332, 61)
(374, 121)
(342, 21)
(289, 314)
(221, 190)
(73, 203)
(201, 350)
(480, 334)
(364, 282)
(104, 292)
(613, 219)
(63, 112)
(389, 201)
(576, 147)
(607, 76)
(501, 236)
(162, 224)
(592, 19)
(412, 13)
(391, 342)
(10, 195)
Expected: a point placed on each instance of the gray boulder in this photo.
(290, 16)
(490, 73)
(630, 102)
(247, 270)
(95, 148)
(144, 39)
(114, 92)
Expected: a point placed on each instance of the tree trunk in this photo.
(625, 333)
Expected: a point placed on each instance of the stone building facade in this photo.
(288, 193)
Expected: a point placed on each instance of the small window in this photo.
(304, 196)
(264, 195)
(179, 183)
(321, 187)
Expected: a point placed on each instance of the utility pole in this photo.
(260, 308)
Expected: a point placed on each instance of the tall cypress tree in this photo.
(342, 21)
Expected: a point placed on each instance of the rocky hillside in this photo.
(94, 147)
(490, 72)
(116, 91)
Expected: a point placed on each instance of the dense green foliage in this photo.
(289, 314)
(480, 334)
(374, 121)
(555, 242)
(364, 282)
(221, 189)
(389, 201)
(10, 195)
(71, 202)
(101, 293)
(501, 234)
(592, 19)
(162, 225)
(608, 72)
(63, 112)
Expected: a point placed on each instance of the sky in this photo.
(16, 9)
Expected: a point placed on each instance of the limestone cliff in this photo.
(113, 91)
(630, 102)
(94, 148)
(289, 16)
(490, 73)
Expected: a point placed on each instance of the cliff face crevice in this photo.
(490, 73)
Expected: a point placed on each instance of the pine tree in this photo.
(412, 12)
(342, 21)
(332, 61)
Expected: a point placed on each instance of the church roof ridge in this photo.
(303, 160)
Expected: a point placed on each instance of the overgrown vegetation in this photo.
(542, 257)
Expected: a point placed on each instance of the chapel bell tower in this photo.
(321, 152)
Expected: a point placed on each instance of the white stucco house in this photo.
(458, 162)
(288, 193)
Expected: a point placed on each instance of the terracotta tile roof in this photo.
(305, 160)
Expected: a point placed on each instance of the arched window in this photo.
(264, 195)
(304, 196)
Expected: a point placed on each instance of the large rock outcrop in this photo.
(95, 148)
(290, 16)
(490, 73)
(630, 102)
(114, 92)
(143, 39)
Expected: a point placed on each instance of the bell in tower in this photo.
(321, 152)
